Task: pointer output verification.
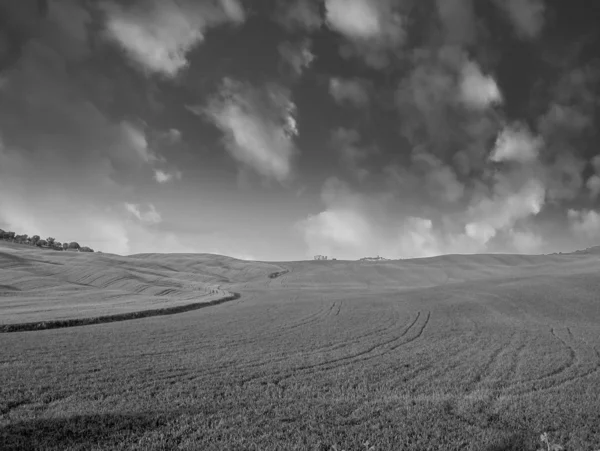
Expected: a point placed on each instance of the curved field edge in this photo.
(57, 324)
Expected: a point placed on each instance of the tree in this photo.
(86, 249)
(35, 239)
(10, 235)
(50, 241)
(65, 246)
(58, 246)
(74, 245)
(2, 232)
(41, 243)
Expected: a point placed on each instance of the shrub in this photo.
(74, 245)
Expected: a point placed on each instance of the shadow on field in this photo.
(79, 432)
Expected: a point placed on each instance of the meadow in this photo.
(482, 352)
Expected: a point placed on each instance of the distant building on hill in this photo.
(373, 259)
(320, 257)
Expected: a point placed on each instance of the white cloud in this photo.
(418, 239)
(526, 241)
(527, 16)
(478, 91)
(136, 139)
(439, 179)
(353, 91)
(299, 14)
(354, 18)
(297, 55)
(159, 35)
(172, 136)
(593, 184)
(148, 216)
(259, 126)
(516, 143)
(504, 208)
(163, 177)
(584, 223)
(374, 28)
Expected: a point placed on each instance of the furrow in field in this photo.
(373, 351)
(583, 361)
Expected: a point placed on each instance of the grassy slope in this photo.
(454, 352)
(41, 286)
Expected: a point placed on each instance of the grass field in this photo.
(481, 352)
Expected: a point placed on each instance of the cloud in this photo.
(259, 126)
(148, 216)
(157, 35)
(458, 20)
(374, 27)
(299, 14)
(516, 143)
(136, 139)
(502, 210)
(346, 142)
(163, 177)
(349, 91)
(526, 16)
(297, 55)
(478, 91)
(439, 179)
(354, 18)
(584, 223)
(593, 184)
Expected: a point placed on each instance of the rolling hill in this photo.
(479, 352)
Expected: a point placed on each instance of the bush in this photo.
(74, 245)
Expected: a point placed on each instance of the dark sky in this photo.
(278, 130)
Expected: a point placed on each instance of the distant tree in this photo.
(65, 246)
(58, 246)
(10, 236)
(24, 238)
(74, 245)
(2, 232)
(35, 239)
(50, 241)
(41, 243)
(86, 249)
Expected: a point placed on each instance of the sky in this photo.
(281, 129)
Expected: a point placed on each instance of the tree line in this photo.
(48, 243)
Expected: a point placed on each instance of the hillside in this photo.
(469, 352)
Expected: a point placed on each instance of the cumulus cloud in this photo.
(163, 176)
(299, 14)
(158, 35)
(478, 91)
(584, 223)
(354, 18)
(148, 215)
(439, 179)
(374, 28)
(502, 210)
(516, 143)
(526, 16)
(259, 126)
(349, 91)
(297, 55)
